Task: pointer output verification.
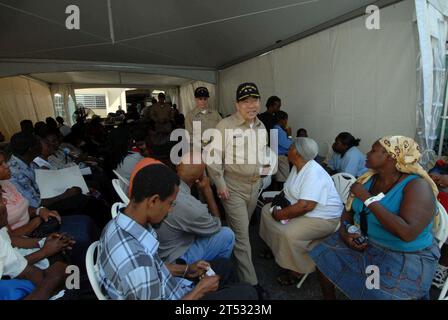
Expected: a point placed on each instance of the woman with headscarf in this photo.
(311, 212)
(394, 206)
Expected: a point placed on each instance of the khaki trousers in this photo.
(239, 209)
(290, 243)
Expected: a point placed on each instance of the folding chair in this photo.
(441, 230)
(122, 179)
(266, 182)
(441, 235)
(114, 209)
(118, 186)
(343, 181)
(92, 270)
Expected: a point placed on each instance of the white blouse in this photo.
(313, 183)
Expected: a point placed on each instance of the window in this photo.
(59, 108)
(59, 105)
(93, 101)
(155, 93)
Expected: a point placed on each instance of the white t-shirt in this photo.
(12, 263)
(313, 183)
(127, 166)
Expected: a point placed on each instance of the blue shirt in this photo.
(283, 141)
(23, 177)
(129, 266)
(353, 162)
(392, 202)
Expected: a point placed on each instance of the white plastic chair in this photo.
(92, 270)
(114, 209)
(343, 181)
(269, 194)
(266, 182)
(441, 235)
(118, 186)
(443, 293)
(441, 231)
(122, 179)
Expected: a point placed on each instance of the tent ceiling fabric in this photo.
(110, 78)
(195, 33)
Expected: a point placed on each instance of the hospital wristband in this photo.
(373, 199)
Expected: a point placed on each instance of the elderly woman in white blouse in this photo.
(311, 213)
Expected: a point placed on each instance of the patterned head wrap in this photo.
(407, 154)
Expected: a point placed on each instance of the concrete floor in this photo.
(268, 270)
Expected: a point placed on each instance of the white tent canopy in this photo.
(82, 79)
(200, 34)
(317, 55)
(346, 78)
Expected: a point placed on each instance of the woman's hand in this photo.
(197, 269)
(277, 214)
(360, 192)
(45, 214)
(348, 239)
(3, 211)
(56, 243)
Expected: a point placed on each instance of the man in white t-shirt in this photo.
(313, 214)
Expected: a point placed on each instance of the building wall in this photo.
(114, 97)
(346, 78)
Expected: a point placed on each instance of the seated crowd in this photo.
(176, 238)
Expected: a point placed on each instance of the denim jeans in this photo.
(84, 231)
(219, 245)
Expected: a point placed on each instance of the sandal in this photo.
(266, 254)
(288, 279)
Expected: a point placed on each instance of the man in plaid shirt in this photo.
(129, 266)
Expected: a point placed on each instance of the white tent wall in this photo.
(23, 98)
(432, 31)
(259, 70)
(187, 95)
(346, 78)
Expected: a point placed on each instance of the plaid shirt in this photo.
(60, 161)
(23, 177)
(129, 266)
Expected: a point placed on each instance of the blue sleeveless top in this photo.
(375, 229)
